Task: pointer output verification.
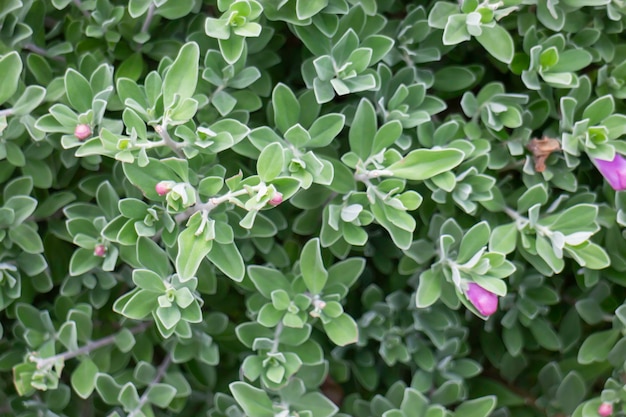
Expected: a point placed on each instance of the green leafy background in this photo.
(339, 171)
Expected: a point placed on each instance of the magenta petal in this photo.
(485, 301)
(614, 171)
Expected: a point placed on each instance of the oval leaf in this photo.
(422, 164)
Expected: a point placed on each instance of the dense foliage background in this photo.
(312, 208)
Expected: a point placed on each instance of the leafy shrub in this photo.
(312, 208)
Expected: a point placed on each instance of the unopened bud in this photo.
(485, 301)
(163, 187)
(82, 132)
(100, 250)
(605, 409)
(276, 199)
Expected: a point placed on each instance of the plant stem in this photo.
(277, 332)
(168, 141)
(6, 112)
(161, 370)
(375, 173)
(40, 51)
(150, 145)
(43, 363)
(149, 16)
(213, 203)
(523, 221)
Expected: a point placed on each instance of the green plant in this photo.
(318, 208)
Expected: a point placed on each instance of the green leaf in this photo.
(192, 250)
(346, 272)
(131, 68)
(271, 161)
(546, 252)
(228, 259)
(440, 12)
(545, 334)
(22, 207)
(161, 394)
(151, 256)
(83, 260)
(125, 340)
(267, 280)
(298, 136)
(137, 304)
(386, 136)
(308, 8)
(363, 129)
(537, 194)
(254, 402)
(342, 330)
(380, 46)
(149, 281)
(312, 267)
(589, 255)
(572, 60)
(479, 407)
(455, 31)
(168, 317)
(498, 42)
(129, 398)
(582, 3)
(78, 90)
(421, 164)
(232, 48)
(324, 129)
(84, 378)
(182, 76)
(599, 109)
(24, 236)
(596, 347)
(572, 386)
(286, 107)
(428, 289)
(571, 219)
(29, 100)
(217, 28)
(11, 69)
(475, 239)
(549, 57)
(503, 238)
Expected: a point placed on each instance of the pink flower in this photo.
(605, 409)
(614, 171)
(100, 250)
(82, 132)
(276, 199)
(163, 187)
(485, 301)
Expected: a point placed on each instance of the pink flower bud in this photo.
(276, 199)
(485, 301)
(614, 171)
(163, 188)
(605, 409)
(82, 132)
(100, 250)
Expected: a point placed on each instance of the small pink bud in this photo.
(605, 409)
(485, 301)
(276, 199)
(163, 188)
(614, 171)
(82, 132)
(100, 250)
